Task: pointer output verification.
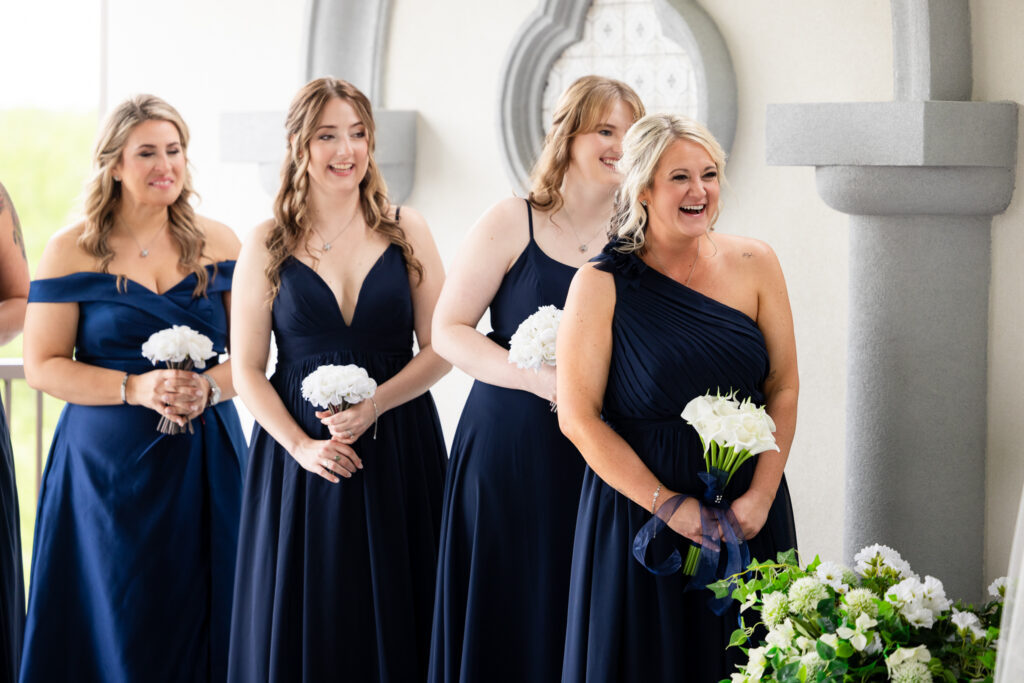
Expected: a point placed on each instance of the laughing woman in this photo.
(339, 523)
(514, 480)
(135, 533)
(665, 314)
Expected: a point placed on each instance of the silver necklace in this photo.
(326, 246)
(583, 246)
(144, 250)
(693, 266)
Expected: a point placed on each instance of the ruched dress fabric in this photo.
(335, 581)
(136, 530)
(510, 510)
(669, 345)
(12, 585)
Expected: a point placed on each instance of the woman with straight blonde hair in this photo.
(665, 314)
(133, 562)
(338, 543)
(513, 481)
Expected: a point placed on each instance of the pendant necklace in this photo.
(693, 267)
(583, 246)
(144, 250)
(326, 246)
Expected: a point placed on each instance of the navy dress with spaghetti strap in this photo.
(335, 580)
(135, 534)
(510, 510)
(669, 344)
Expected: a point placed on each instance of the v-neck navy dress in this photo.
(135, 533)
(510, 509)
(669, 344)
(335, 581)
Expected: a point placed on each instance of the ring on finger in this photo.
(337, 458)
(349, 432)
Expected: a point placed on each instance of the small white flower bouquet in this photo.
(533, 343)
(338, 387)
(180, 348)
(732, 432)
(878, 622)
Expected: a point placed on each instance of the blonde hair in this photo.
(103, 193)
(642, 149)
(291, 206)
(580, 109)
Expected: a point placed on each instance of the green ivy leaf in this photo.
(787, 557)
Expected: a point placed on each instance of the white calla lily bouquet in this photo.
(533, 343)
(877, 622)
(180, 348)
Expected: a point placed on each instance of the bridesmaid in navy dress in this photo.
(13, 295)
(340, 517)
(666, 313)
(133, 561)
(513, 483)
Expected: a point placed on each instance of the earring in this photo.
(643, 203)
(117, 179)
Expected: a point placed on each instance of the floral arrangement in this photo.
(533, 343)
(877, 622)
(181, 348)
(337, 387)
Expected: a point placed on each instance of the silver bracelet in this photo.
(375, 415)
(654, 503)
(124, 389)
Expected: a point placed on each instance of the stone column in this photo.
(921, 178)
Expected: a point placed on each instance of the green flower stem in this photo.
(692, 557)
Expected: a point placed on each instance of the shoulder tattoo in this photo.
(6, 203)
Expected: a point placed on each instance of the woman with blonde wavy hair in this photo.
(665, 314)
(338, 543)
(513, 481)
(133, 562)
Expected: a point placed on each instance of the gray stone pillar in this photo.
(920, 179)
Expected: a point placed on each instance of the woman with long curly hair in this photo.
(340, 515)
(133, 562)
(514, 481)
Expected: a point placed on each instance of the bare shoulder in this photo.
(410, 220)
(63, 255)
(222, 243)
(746, 253)
(593, 284)
(504, 225)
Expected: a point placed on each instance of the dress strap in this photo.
(398, 214)
(529, 215)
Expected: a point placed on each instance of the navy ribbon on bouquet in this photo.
(647, 533)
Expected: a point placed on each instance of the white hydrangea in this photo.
(533, 343)
(919, 603)
(337, 386)
(968, 624)
(775, 608)
(860, 601)
(804, 595)
(933, 595)
(997, 589)
(875, 560)
(176, 344)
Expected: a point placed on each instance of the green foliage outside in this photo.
(44, 162)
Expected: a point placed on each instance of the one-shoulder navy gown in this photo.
(669, 345)
(134, 558)
(510, 510)
(12, 586)
(335, 581)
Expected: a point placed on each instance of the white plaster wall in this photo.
(998, 54)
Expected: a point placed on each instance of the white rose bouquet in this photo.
(337, 387)
(877, 622)
(533, 343)
(180, 348)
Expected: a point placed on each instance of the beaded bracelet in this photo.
(654, 503)
(375, 414)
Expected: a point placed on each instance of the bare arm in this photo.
(427, 366)
(13, 271)
(486, 255)
(781, 388)
(250, 348)
(584, 354)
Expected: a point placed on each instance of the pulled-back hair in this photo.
(580, 109)
(642, 149)
(291, 206)
(103, 193)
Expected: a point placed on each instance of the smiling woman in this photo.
(134, 559)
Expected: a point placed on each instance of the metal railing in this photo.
(10, 370)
